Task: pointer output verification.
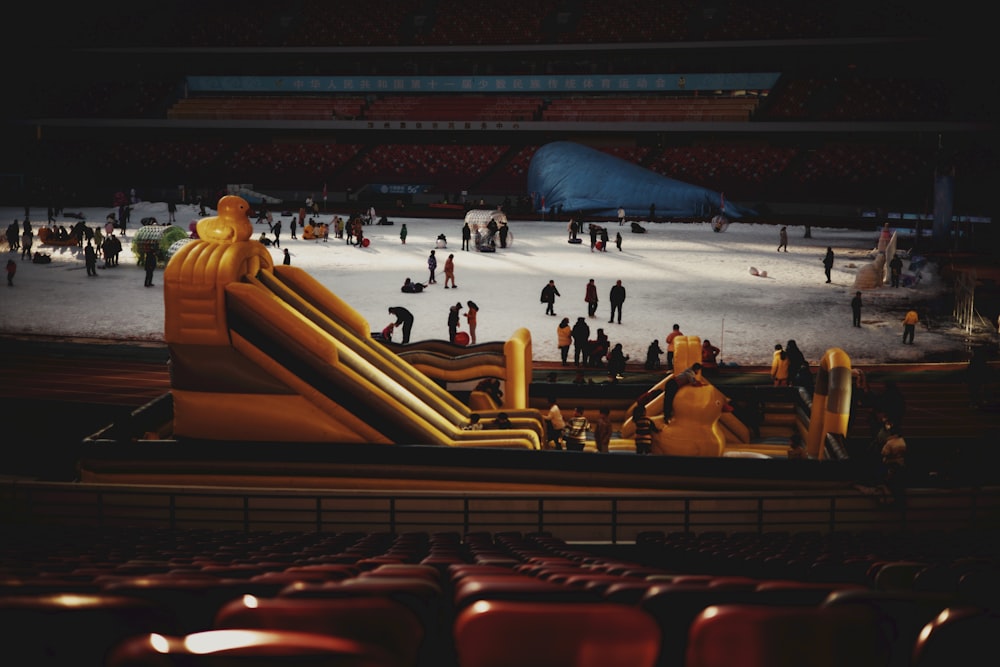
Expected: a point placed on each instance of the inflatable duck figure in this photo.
(694, 429)
(232, 223)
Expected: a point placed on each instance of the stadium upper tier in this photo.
(382, 23)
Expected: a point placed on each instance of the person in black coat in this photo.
(466, 236)
(798, 367)
(617, 297)
(404, 318)
(581, 336)
(549, 294)
(453, 321)
(856, 310)
(90, 259)
(150, 265)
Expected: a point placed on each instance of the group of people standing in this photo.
(616, 296)
(403, 319)
(21, 237)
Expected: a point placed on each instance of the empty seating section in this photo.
(620, 109)
(461, 22)
(776, 20)
(799, 99)
(175, 156)
(850, 162)
(741, 169)
(440, 599)
(447, 166)
(262, 107)
(754, 163)
(455, 107)
(631, 21)
(315, 23)
(292, 160)
(860, 99)
(372, 23)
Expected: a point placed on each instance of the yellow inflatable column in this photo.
(831, 405)
(517, 355)
(687, 352)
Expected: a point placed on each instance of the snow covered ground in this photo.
(674, 273)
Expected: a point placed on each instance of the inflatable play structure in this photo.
(265, 353)
(508, 362)
(48, 236)
(876, 273)
(486, 227)
(703, 424)
(571, 177)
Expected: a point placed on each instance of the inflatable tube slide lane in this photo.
(440, 360)
(253, 360)
(311, 298)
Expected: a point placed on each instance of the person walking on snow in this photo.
(617, 297)
(432, 264)
(150, 265)
(910, 327)
(783, 239)
(472, 315)
(856, 310)
(895, 270)
(591, 298)
(828, 262)
(549, 294)
(449, 272)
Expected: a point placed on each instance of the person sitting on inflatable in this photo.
(709, 353)
(308, 232)
(690, 377)
(598, 348)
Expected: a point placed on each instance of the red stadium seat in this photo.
(964, 636)
(554, 634)
(249, 648)
(77, 629)
(379, 621)
(783, 636)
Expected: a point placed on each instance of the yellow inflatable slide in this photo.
(260, 352)
(702, 424)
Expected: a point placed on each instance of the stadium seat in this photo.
(783, 636)
(379, 621)
(505, 633)
(963, 636)
(79, 629)
(521, 588)
(900, 615)
(246, 648)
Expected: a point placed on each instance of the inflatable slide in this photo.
(266, 353)
(509, 362)
(703, 425)
(696, 427)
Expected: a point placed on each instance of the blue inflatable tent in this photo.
(573, 178)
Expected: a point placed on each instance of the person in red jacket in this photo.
(591, 298)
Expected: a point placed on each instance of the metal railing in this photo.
(598, 517)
